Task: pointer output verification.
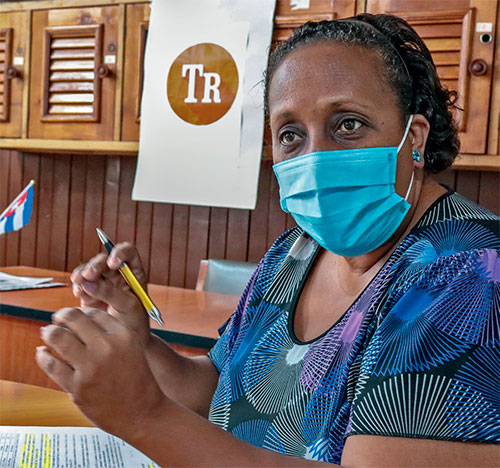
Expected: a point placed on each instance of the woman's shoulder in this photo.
(453, 231)
(452, 210)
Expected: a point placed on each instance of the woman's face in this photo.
(328, 96)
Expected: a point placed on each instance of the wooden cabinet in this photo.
(72, 89)
(13, 41)
(80, 86)
(287, 16)
(460, 35)
(135, 45)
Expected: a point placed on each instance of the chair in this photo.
(224, 276)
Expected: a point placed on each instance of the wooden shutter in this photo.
(447, 34)
(5, 60)
(464, 61)
(74, 73)
(133, 77)
(72, 88)
(143, 26)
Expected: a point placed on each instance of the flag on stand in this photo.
(18, 213)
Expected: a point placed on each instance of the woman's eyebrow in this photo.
(334, 104)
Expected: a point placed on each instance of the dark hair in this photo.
(409, 69)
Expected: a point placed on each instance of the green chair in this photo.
(224, 276)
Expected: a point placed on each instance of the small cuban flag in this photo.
(18, 213)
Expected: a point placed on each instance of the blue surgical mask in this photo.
(345, 200)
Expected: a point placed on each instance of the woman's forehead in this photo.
(330, 70)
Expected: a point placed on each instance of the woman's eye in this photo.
(288, 138)
(350, 125)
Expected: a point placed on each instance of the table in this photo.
(29, 405)
(192, 319)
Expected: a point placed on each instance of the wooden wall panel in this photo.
(161, 237)
(217, 235)
(59, 212)
(16, 185)
(77, 207)
(27, 254)
(93, 203)
(74, 194)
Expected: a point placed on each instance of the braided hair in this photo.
(409, 70)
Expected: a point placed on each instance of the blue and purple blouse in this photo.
(416, 355)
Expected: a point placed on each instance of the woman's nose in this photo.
(319, 141)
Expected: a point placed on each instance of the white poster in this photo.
(202, 118)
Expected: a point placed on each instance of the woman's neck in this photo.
(427, 191)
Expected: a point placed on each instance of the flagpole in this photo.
(31, 183)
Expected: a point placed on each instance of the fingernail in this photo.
(76, 289)
(42, 330)
(89, 286)
(114, 261)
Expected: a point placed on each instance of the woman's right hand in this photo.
(99, 284)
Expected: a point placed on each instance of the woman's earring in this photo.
(416, 156)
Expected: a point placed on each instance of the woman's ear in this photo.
(419, 132)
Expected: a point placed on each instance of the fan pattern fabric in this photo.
(416, 355)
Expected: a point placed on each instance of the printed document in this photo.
(66, 447)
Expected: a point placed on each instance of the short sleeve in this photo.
(229, 331)
(431, 369)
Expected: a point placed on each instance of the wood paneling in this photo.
(74, 194)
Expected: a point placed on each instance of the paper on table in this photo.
(14, 282)
(51, 447)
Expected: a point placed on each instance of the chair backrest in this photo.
(224, 276)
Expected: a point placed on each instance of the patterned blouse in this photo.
(416, 355)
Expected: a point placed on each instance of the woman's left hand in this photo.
(101, 363)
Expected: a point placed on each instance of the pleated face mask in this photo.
(346, 200)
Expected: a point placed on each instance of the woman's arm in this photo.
(191, 381)
(102, 365)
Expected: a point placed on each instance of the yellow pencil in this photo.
(133, 282)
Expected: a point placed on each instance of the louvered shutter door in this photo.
(144, 26)
(450, 31)
(135, 46)
(447, 34)
(72, 89)
(5, 54)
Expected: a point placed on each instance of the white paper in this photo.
(215, 164)
(14, 282)
(66, 447)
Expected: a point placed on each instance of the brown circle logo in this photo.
(202, 83)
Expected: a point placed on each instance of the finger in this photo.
(64, 343)
(122, 300)
(125, 252)
(82, 326)
(87, 300)
(92, 270)
(58, 371)
(107, 322)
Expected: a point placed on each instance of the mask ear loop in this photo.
(410, 186)
(408, 125)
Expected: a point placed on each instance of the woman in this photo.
(368, 335)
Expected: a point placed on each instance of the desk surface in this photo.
(29, 405)
(192, 318)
